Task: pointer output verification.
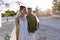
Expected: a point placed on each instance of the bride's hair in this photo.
(21, 7)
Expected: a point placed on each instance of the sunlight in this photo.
(44, 4)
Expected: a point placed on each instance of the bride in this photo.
(21, 25)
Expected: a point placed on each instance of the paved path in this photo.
(7, 28)
(49, 29)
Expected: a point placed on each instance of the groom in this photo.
(32, 24)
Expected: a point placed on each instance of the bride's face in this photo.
(23, 11)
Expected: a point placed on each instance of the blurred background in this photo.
(48, 12)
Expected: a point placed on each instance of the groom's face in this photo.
(29, 10)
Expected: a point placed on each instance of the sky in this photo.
(43, 4)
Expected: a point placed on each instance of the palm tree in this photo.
(7, 5)
(1, 2)
(54, 6)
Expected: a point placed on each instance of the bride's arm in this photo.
(17, 27)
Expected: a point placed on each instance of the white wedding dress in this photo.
(23, 32)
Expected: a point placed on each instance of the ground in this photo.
(49, 28)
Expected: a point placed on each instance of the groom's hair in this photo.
(30, 8)
(22, 7)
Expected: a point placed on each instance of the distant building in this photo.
(58, 0)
